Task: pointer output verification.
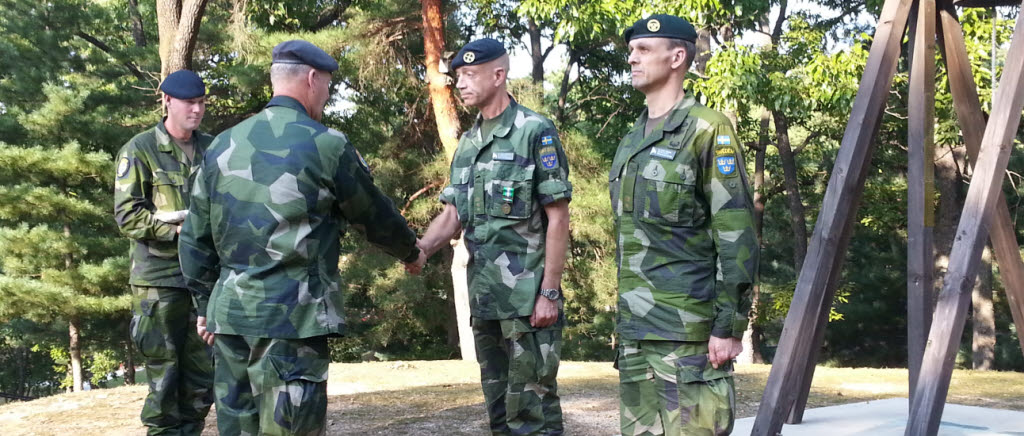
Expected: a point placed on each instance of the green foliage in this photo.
(67, 104)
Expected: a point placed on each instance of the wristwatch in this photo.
(551, 294)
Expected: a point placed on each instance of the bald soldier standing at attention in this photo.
(510, 193)
(261, 243)
(687, 252)
(151, 188)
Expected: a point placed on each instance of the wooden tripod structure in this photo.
(932, 346)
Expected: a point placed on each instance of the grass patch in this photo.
(443, 397)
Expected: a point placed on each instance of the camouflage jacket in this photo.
(687, 252)
(271, 200)
(499, 184)
(153, 176)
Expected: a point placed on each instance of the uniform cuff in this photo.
(413, 255)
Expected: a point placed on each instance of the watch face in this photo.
(550, 294)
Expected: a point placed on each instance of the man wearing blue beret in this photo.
(687, 251)
(260, 248)
(151, 195)
(510, 194)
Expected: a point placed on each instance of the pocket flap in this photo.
(161, 177)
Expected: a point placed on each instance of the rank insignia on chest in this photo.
(122, 167)
(663, 153)
(725, 160)
(549, 157)
(507, 194)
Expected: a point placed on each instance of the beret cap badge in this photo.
(653, 25)
(469, 57)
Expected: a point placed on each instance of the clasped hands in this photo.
(416, 267)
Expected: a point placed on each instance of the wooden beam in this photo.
(920, 185)
(796, 413)
(985, 3)
(820, 273)
(972, 118)
(971, 234)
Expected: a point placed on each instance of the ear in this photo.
(679, 58)
(167, 99)
(311, 78)
(499, 76)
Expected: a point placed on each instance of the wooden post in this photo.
(820, 271)
(972, 118)
(951, 310)
(920, 185)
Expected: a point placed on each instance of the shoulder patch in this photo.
(725, 159)
(723, 140)
(362, 162)
(122, 167)
(546, 140)
(549, 156)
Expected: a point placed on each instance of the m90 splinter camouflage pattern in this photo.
(687, 250)
(260, 245)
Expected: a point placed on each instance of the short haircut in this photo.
(688, 47)
(284, 73)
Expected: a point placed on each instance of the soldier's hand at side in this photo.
(545, 312)
(722, 350)
(205, 335)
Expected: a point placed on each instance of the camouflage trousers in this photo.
(271, 386)
(670, 388)
(179, 365)
(518, 368)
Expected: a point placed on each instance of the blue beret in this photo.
(661, 26)
(183, 84)
(302, 52)
(478, 52)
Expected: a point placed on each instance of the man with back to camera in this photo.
(154, 170)
(510, 192)
(687, 251)
(261, 243)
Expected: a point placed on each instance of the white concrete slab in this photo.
(889, 418)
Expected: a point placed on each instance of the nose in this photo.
(632, 59)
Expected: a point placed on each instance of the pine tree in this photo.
(59, 252)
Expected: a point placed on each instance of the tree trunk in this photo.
(75, 350)
(752, 337)
(138, 33)
(983, 320)
(566, 86)
(178, 24)
(536, 53)
(448, 130)
(700, 61)
(796, 206)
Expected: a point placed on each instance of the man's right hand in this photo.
(204, 334)
(416, 267)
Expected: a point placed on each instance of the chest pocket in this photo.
(168, 190)
(669, 192)
(510, 192)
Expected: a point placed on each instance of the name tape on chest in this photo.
(504, 156)
(548, 156)
(663, 153)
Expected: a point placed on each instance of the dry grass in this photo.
(443, 398)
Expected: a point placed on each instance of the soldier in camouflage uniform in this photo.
(150, 196)
(510, 192)
(687, 252)
(260, 249)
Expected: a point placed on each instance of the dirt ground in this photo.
(443, 398)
